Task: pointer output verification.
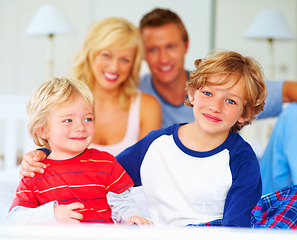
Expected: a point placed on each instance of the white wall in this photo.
(22, 58)
(235, 16)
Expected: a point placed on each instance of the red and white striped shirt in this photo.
(86, 178)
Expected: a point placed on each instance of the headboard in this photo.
(14, 138)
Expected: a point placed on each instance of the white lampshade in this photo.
(270, 24)
(49, 20)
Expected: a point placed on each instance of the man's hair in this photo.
(159, 17)
(226, 64)
(53, 93)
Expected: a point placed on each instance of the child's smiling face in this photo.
(218, 107)
(70, 130)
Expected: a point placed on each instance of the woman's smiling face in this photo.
(113, 67)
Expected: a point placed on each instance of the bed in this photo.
(113, 232)
(14, 142)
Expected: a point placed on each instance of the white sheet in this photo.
(9, 181)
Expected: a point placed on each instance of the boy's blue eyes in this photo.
(207, 93)
(86, 120)
(230, 101)
(89, 119)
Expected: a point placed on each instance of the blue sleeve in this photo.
(274, 100)
(131, 161)
(245, 192)
(278, 163)
(45, 150)
(131, 158)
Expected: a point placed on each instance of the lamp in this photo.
(49, 21)
(270, 25)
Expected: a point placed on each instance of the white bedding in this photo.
(9, 181)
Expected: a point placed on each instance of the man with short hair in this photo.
(166, 43)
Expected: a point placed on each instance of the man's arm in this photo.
(278, 92)
(289, 91)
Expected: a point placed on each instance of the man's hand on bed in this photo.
(32, 163)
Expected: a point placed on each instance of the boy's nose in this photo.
(79, 126)
(216, 106)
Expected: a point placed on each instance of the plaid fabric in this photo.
(276, 210)
(214, 223)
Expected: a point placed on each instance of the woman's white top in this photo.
(132, 130)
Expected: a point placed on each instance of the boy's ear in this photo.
(242, 119)
(247, 113)
(191, 96)
(41, 132)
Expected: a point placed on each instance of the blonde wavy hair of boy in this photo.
(52, 94)
(111, 33)
(226, 64)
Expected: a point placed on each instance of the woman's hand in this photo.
(32, 163)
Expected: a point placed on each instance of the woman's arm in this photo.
(150, 114)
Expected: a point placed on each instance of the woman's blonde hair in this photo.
(53, 93)
(226, 64)
(110, 33)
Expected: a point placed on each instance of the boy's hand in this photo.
(68, 213)
(139, 221)
(32, 162)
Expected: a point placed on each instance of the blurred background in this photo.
(210, 23)
(26, 57)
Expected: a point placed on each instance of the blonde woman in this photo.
(109, 63)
